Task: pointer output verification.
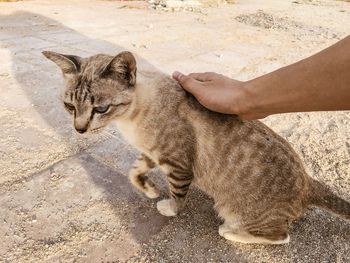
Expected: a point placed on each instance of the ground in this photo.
(66, 198)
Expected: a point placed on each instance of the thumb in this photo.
(188, 83)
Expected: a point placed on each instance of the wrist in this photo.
(247, 104)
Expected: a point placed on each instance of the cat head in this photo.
(98, 89)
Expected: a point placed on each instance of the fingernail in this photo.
(177, 75)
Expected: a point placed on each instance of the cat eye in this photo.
(101, 109)
(69, 107)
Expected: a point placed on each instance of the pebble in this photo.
(34, 218)
(4, 74)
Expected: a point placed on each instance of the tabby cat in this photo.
(257, 181)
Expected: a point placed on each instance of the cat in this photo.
(258, 183)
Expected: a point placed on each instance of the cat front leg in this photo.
(179, 183)
(140, 180)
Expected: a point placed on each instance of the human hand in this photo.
(318, 83)
(216, 92)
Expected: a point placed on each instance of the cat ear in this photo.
(69, 64)
(123, 66)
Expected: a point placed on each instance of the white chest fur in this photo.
(128, 130)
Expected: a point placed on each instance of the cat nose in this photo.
(81, 122)
(81, 130)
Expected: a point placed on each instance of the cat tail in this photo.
(322, 197)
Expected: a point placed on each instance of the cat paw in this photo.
(224, 229)
(167, 207)
(152, 192)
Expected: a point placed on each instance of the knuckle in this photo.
(192, 75)
(209, 73)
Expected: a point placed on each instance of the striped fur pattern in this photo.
(139, 178)
(257, 181)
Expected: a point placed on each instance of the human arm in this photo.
(318, 83)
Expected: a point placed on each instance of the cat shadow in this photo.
(24, 35)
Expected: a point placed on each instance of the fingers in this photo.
(206, 76)
(188, 83)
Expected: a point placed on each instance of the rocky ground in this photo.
(66, 198)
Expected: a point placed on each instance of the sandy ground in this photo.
(65, 197)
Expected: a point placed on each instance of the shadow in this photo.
(24, 35)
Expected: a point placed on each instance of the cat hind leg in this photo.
(235, 234)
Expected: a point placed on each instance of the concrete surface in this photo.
(65, 197)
